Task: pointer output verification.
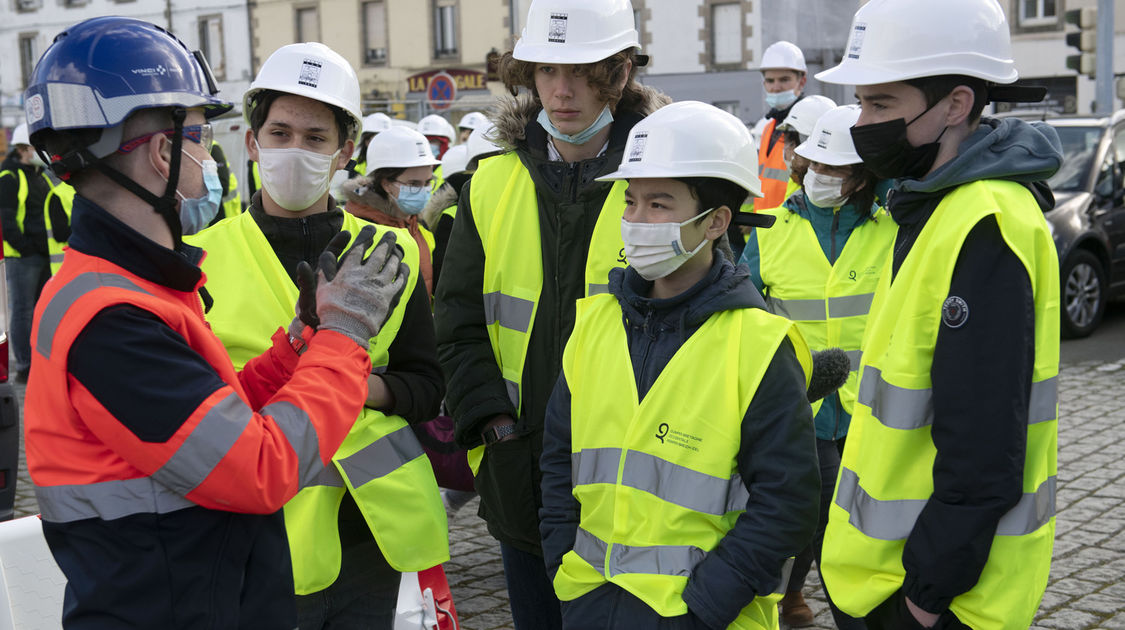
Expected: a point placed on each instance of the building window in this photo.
(375, 33)
(1038, 12)
(24, 6)
(28, 56)
(726, 34)
(308, 25)
(211, 44)
(445, 28)
(730, 107)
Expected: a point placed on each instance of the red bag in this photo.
(425, 602)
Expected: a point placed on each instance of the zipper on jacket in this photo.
(832, 235)
(307, 237)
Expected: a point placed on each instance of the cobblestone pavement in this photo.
(1086, 589)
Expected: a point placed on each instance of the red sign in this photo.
(462, 79)
(441, 92)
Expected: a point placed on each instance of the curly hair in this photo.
(603, 76)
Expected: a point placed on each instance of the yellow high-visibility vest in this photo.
(657, 479)
(380, 463)
(886, 476)
(66, 194)
(505, 211)
(829, 302)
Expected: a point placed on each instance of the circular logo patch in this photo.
(955, 312)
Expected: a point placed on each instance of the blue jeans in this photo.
(363, 597)
(530, 594)
(26, 276)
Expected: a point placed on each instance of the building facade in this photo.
(27, 27)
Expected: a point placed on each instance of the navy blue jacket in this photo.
(776, 458)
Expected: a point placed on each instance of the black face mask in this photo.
(887, 153)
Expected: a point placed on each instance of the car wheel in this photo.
(1083, 294)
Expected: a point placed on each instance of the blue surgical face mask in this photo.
(582, 137)
(196, 213)
(412, 202)
(781, 100)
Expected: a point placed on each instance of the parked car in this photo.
(1088, 221)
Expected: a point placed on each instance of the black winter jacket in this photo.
(776, 458)
(32, 239)
(569, 203)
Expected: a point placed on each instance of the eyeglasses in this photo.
(199, 134)
(414, 189)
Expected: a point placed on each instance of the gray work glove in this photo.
(356, 300)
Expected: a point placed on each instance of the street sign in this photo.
(441, 91)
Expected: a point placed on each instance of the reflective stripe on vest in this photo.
(887, 469)
(828, 301)
(66, 296)
(380, 463)
(656, 480)
(902, 408)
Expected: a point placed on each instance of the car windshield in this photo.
(1079, 146)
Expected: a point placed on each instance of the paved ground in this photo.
(1086, 589)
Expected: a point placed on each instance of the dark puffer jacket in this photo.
(569, 202)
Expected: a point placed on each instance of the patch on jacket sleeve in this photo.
(954, 312)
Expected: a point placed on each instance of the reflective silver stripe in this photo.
(107, 500)
(1044, 403)
(594, 465)
(382, 457)
(66, 296)
(57, 258)
(798, 310)
(676, 484)
(653, 560)
(301, 433)
(901, 408)
(206, 445)
(885, 520)
(894, 519)
(766, 172)
(329, 476)
(512, 312)
(513, 392)
(786, 572)
(854, 357)
(850, 305)
(1033, 511)
(670, 482)
(381, 369)
(597, 289)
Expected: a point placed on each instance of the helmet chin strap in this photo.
(164, 205)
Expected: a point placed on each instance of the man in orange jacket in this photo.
(158, 468)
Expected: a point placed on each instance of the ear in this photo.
(389, 188)
(159, 149)
(345, 154)
(801, 83)
(961, 101)
(625, 75)
(251, 146)
(717, 225)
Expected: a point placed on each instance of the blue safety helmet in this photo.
(98, 72)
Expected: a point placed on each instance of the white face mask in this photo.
(295, 178)
(824, 190)
(657, 249)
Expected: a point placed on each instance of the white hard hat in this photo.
(399, 147)
(19, 135)
(314, 71)
(576, 31)
(472, 120)
(480, 142)
(376, 123)
(691, 139)
(783, 56)
(896, 40)
(805, 112)
(434, 125)
(402, 122)
(831, 139)
(455, 160)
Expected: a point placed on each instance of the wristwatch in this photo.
(497, 433)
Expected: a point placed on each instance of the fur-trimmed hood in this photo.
(444, 197)
(360, 190)
(511, 115)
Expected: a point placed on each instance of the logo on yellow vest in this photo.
(666, 435)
